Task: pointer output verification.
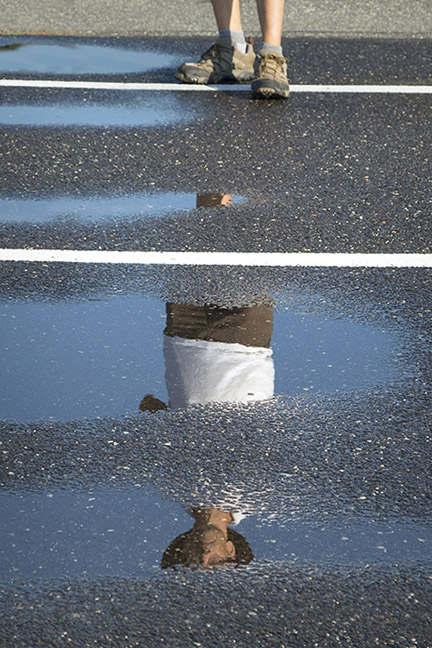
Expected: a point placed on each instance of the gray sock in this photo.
(232, 38)
(271, 49)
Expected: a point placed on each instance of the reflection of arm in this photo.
(151, 404)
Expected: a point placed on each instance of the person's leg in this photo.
(227, 14)
(271, 80)
(231, 58)
(270, 13)
(228, 19)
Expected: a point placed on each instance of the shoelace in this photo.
(270, 65)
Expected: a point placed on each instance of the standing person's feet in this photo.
(271, 80)
(220, 63)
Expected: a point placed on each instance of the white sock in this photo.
(267, 49)
(233, 38)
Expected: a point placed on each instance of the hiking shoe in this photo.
(220, 63)
(271, 81)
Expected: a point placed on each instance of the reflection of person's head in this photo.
(209, 543)
(217, 550)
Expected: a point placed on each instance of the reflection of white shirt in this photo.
(201, 371)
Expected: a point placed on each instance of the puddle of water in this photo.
(97, 208)
(100, 533)
(142, 111)
(329, 355)
(72, 360)
(78, 58)
(96, 358)
(391, 542)
(106, 532)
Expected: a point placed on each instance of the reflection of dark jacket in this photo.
(186, 549)
(249, 325)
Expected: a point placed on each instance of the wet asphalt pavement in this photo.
(332, 469)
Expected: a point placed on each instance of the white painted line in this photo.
(184, 87)
(273, 259)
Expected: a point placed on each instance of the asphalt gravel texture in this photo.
(320, 173)
(325, 460)
(267, 605)
(311, 60)
(316, 459)
(390, 424)
(339, 180)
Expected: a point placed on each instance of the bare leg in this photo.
(230, 58)
(227, 14)
(270, 14)
(271, 80)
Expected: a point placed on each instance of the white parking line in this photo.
(184, 87)
(271, 259)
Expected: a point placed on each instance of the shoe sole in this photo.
(190, 79)
(240, 77)
(268, 89)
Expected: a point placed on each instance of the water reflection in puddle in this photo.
(64, 534)
(77, 58)
(108, 532)
(75, 360)
(98, 208)
(140, 111)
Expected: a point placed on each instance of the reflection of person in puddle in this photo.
(215, 354)
(209, 543)
(214, 200)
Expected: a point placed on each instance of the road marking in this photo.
(272, 259)
(184, 87)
